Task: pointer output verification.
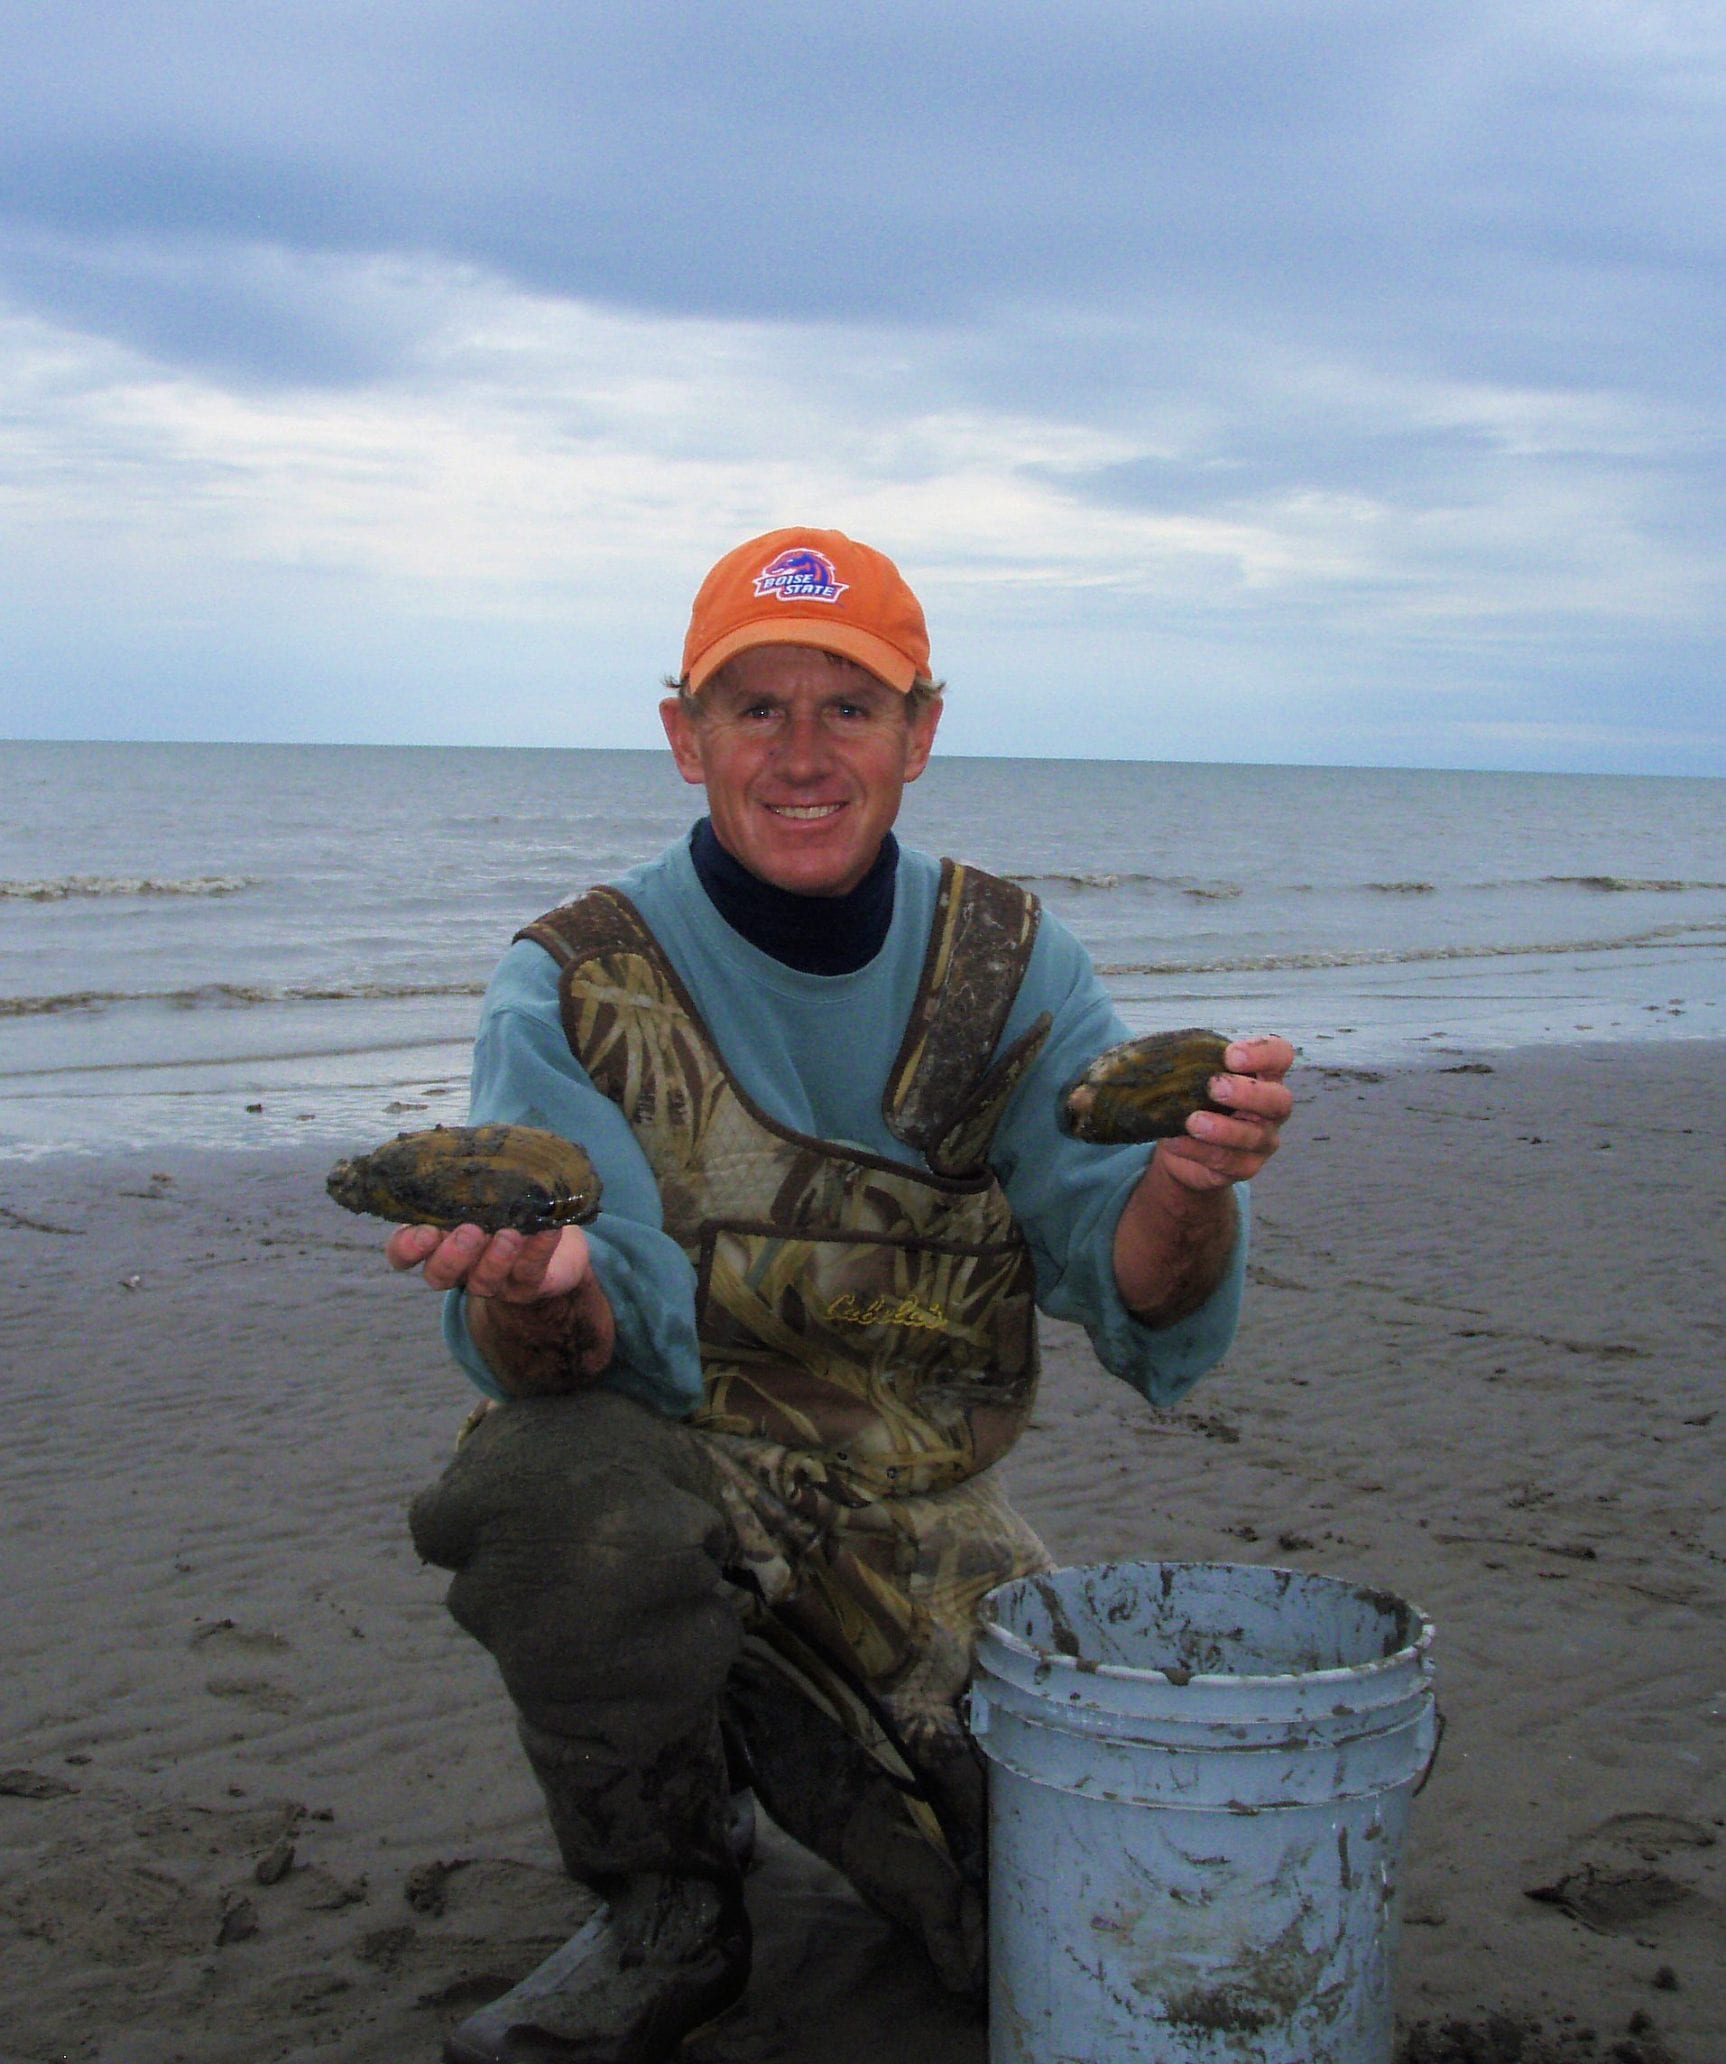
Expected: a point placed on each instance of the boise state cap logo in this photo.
(800, 575)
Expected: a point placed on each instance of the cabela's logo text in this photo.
(848, 1309)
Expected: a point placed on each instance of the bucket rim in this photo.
(1415, 1652)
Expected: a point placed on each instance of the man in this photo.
(728, 1525)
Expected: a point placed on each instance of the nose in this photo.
(803, 746)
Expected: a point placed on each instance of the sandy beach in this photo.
(260, 1801)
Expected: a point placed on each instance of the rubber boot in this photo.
(663, 1956)
(669, 1948)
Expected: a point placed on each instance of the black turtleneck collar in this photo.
(818, 935)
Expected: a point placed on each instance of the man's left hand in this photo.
(1174, 1238)
(1222, 1148)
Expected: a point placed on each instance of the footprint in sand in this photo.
(228, 1639)
(1613, 1901)
(260, 1692)
(1618, 1886)
(1654, 1835)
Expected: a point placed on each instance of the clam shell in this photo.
(1144, 1089)
(491, 1176)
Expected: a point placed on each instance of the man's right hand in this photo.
(536, 1310)
(518, 1267)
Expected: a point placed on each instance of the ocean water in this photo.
(235, 945)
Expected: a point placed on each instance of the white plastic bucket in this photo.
(1199, 1785)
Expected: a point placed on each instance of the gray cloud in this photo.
(1422, 178)
(1388, 339)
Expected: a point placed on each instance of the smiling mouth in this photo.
(804, 813)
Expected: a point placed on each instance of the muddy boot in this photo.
(660, 1958)
(668, 1950)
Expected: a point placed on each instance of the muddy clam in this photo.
(491, 1176)
(1145, 1088)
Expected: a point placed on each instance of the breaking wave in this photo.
(1626, 884)
(231, 996)
(1219, 891)
(1404, 956)
(66, 886)
(1175, 884)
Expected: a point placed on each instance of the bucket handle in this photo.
(1438, 1726)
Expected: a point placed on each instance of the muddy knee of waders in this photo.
(917, 1857)
(588, 1556)
(588, 1552)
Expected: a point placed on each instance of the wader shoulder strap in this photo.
(605, 928)
(943, 1097)
(599, 922)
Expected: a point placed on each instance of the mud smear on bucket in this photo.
(1200, 1777)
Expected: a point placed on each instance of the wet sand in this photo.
(259, 1799)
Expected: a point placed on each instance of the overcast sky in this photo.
(1291, 380)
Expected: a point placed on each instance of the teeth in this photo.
(803, 811)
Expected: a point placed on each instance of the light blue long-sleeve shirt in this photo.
(814, 1052)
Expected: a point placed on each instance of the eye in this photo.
(850, 712)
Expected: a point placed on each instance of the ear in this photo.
(922, 729)
(683, 734)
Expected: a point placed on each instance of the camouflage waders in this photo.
(796, 1568)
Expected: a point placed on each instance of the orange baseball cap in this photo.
(808, 587)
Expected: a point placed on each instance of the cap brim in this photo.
(880, 658)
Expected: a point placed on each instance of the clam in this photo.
(491, 1176)
(1144, 1089)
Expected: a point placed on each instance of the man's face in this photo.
(804, 758)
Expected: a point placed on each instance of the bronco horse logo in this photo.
(800, 575)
